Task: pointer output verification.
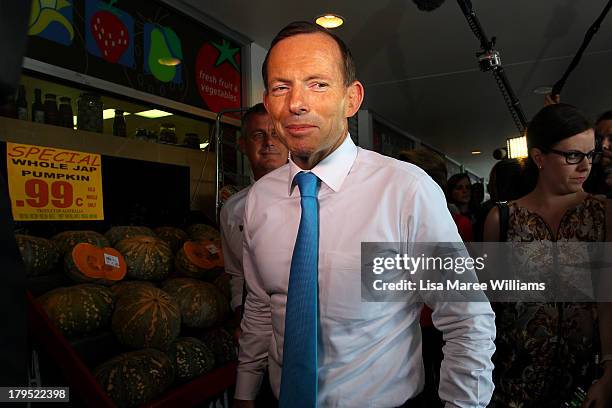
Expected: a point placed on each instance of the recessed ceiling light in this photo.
(475, 152)
(329, 20)
(170, 62)
(153, 114)
(542, 90)
(517, 147)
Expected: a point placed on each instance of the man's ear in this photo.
(356, 94)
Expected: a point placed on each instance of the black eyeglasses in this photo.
(576, 157)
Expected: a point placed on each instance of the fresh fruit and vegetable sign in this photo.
(54, 184)
(142, 44)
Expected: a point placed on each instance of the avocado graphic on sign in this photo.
(163, 53)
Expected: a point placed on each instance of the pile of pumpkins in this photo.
(148, 286)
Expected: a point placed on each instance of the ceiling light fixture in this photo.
(542, 90)
(329, 20)
(475, 152)
(169, 62)
(153, 114)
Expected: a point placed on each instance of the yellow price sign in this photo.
(47, 183)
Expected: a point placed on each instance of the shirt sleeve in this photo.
(468, 327)
(231, 259)
(256, 327)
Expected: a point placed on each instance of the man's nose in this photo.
(298, 104)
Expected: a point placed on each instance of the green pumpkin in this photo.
(146, 317)
(147, 258)
(183, 265)
(79, 309)
(222, 345)
(116, 234)
(201, 303)
(126, 287)
(199, 232)
(39, 255)
(174, 237)
(67, 240)
(223, 283)
(190, 358)
(133, 378)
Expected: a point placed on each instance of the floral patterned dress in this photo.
(546, 350)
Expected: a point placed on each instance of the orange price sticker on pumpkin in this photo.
(54, 184)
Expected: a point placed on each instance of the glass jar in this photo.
(119, 126)
(89, 115)
(51, 112)
(167, 133)
(66, 118)
(141, 134)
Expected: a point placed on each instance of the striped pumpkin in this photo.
(86, 263)
(201, 303)
(126, 287)
(223, 283)
(146, 317)
(39, 255)
(67, 240)
(147, 258)
(79, 309)
(116, 234)
(174, 237)
(190, 358)
(199, 232)
(133, 378)
(222, 345)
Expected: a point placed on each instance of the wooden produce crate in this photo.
(81, 380)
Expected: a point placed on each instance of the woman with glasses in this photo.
(545, 351)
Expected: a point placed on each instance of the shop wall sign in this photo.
(54, 184)
(141, 44)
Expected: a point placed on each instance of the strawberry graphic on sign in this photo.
(110, 34)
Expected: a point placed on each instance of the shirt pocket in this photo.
(340, 288)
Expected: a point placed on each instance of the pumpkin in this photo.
(147, 258)
(131, 379)
(66, 240)
(79, 309)
(174, 237)
(126, 287)
(87, 263)
(199, 232)
(39, 255)
(223, 283)
(201, 303)
(116, 234)
(222, 345)
(146, 317)
(190, 358)
(200, 259)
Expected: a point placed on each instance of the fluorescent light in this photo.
(203, 145)
(475, 152)
(329, 20)
(170, 62)
(543, 90)
(153, 114)
(517, 147)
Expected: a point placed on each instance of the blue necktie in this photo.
(299, 376)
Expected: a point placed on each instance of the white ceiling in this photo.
(420, 71)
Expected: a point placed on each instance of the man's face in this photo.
(604, 128)
(307, 98)
(261, 146)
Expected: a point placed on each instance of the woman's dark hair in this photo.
(604, 116)
(548, 127)
(452, 184)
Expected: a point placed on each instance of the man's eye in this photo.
(279, 88)
(320, 85)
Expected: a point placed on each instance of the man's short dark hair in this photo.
(306, 27)
(257, 109)
(604, 116)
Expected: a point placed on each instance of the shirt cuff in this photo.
(247, 386)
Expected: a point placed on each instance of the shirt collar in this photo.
(333, 169)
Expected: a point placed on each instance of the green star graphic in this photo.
(226, 54)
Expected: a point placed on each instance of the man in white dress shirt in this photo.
(369, 354)
(265, 153)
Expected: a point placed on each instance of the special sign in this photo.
(54, 184)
